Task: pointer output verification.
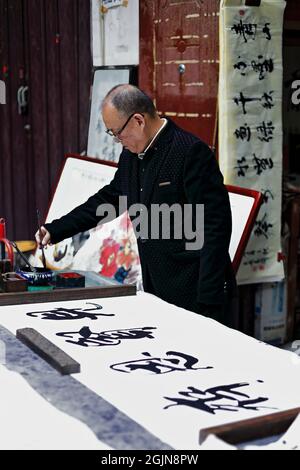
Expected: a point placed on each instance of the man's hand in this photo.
(44, 239)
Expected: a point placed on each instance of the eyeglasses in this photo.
(116, 134)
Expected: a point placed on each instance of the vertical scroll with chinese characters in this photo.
(251, 124)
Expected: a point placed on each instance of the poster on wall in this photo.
(250, 124)
(115, 32)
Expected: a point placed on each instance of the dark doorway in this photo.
(45, 62)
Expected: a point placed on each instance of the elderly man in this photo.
(163, 164)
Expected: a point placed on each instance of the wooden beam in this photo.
(254, 428)
(58, 295)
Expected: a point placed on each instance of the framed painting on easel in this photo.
(109, 249)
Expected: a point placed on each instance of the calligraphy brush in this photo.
(32, 268)
(41, 237)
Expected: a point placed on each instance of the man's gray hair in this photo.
(129, 99)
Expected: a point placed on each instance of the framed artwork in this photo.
(109, 249)
(101, 145)
(245, 205)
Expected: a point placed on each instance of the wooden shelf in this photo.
(17, 298)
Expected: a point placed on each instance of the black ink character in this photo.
(241, 66)
(262, 67)
(242, 169)
(267, 32)
(243, 133)
(256, 257)
(267, 100)
(85, 337)
(262, 227)
(245, 30)
(158, 365)
(262, 164)
(266, 194)
(243, 101)
(265, 131)
(64, 313)
(207, 400)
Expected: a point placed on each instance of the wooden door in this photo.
(45, 46)
(179, 61)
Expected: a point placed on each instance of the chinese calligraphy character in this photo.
(266, 100)
(157, 365)
(242, 169)
(249, 30)
(258, 66)
(256, 258)
(267, 97)
(243, 101)
(262, 164)
(64, 313)
(265, 131)
(262, 67)
(245, 30)
(267, 32)
(266, 193)
(262, 227)
(241, 65)
(243, 133)
(85, 337)
(207, 400)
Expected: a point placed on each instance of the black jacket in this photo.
(185, 278)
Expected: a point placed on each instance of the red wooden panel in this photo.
(174, 33)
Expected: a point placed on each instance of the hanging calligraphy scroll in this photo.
(250, 102)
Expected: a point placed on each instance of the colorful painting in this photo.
(110, 249)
